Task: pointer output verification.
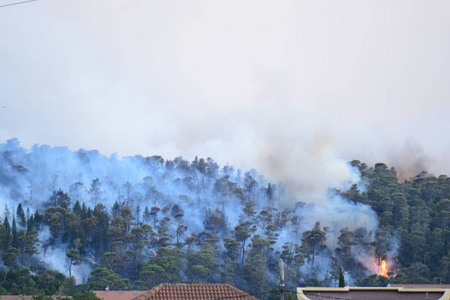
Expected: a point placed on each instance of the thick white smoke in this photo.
(48, 169)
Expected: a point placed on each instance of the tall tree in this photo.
(74, 259)
(242, 233)
(95, 191)
(341, 277)
(313, 242)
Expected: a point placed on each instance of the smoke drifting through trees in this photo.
(191, 203)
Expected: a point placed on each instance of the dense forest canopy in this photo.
(72, 219)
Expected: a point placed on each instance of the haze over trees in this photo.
(71, 218)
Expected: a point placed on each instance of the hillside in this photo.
(73, 219)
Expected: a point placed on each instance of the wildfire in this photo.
(156, 203)
(31, 195)
(383, 268)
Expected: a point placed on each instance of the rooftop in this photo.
(420, 286)
(372, 293)
(182, 291)
(117, 295)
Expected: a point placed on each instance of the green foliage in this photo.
(313, 242)
(23, 282)
(341, 277)
(202, 264)
(85, 296)
(166, 245)
(102, 277)
(373, 281)
(74, 259)
(166, 267)
(242, 232)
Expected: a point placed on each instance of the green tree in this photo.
(28, 243)
(10, 259)
(341, 277)
(313, 242)
(21, 216)
(242, 233)
(214, 221)
(58, 198)
(344, 249)
(164, 238)
(5, 236)
(74, 259)
(166, 267)
(95, 192)
(146, 217)
(249, 210)
(85, 296)
(202, 264)
(373, 280)
(232, 248)
(103, 277)
(254, 271)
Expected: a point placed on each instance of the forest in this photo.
(74, 221)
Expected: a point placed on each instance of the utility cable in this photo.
(11, 4)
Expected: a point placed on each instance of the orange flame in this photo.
(383, 268)
(380, 267)
(156, 203)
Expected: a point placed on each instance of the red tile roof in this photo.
(117, 295)
(183, 291)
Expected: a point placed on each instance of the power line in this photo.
(11, 4)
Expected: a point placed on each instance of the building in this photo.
(117, 295)
(169, 291)
(373, 293)
(420, 286)
(197, 291)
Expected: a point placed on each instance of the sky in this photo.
(294, 89)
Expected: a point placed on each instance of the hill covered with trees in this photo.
(77, 220)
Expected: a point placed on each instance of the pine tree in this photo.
(146, 217)
(341, 277)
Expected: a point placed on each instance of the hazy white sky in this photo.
(294, 88)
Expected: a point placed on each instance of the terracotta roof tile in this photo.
(199, 291)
